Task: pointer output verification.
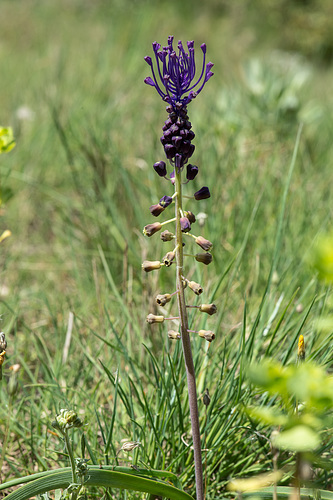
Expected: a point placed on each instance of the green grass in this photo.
(82, 179)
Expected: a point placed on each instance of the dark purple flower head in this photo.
(175, 79)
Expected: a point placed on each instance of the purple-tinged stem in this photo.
(187, 351)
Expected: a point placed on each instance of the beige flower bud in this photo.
(168, 258)
(208, 308)
(207, 335)
(195, 287)
(172, 334)
(205, 258)
(152, 318)
(151, 265)
(163, 299)
(203, 243)
(167, 236)
(130, 445)
(151, 229)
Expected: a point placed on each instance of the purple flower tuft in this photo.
(174, 80)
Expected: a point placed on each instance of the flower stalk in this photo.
(174, 78)
(186, 344)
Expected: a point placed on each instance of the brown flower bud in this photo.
(205, 258)
(203, 243)
(163, 299)
(156, 210)
(185, 224)
(151, 265)
(207, 334)
(152, 318)
(172, 334)
(208, 308)
(206, 398)
(151, 229)
(167, 236)
(195, 287)
(168, 258)
(190, 216)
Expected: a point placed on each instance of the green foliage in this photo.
(306, 394)
(6, 139)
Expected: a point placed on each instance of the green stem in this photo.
(187, 351)
(71, 457)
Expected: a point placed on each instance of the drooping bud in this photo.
(130, 445)
(190, 216)
(203, 243)
(205, 258)
(160, 168)
(165, 201)
(207, 335)
(185, 224)
(156, 210)
(206, 398)
(172, 334)
(191, 172)
(202, 194)
(168, 258)
(167, 236)
(208, 308)
(151, 265)
(195, 287)
(163, 299)
(151, 229)
(152, 318)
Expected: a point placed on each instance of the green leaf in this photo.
(298, 438)
(267, 416)
(98, 477)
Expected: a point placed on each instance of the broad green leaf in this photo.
(298, 438)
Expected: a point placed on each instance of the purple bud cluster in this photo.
(177, 137)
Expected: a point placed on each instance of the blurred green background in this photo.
(77, 188)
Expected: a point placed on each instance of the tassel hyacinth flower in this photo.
(173, 75)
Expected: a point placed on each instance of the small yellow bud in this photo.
(208, 308)
(168, 258)
(5, 235)
(151, 265)
(172, 334)
(152, 318)
(301, 348)
(195, 287)
(163, 299)
(207, 335)
(205, 258)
